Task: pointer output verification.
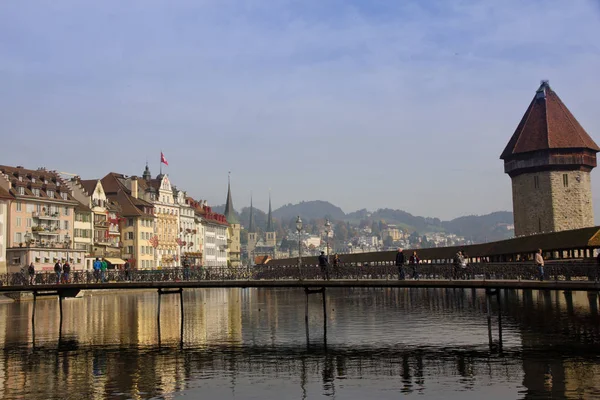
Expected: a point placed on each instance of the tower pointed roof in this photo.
(547, 125)
(147, 175)
(251, 222)
(229, 211)
(270, 217)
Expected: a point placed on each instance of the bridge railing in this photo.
(515, 271)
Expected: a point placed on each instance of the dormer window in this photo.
(20, 179)
(21, 190)
(63, 195)
(36, 192)
(50, 193)
(32, 179)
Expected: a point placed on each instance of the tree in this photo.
(388, 241)
(341, 232)
(375, 228)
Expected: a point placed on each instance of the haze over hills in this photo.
(478, 228)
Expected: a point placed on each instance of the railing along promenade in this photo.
(557, 276)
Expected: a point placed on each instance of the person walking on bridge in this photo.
(539, 261)
(31, 272)
(414, 261)
(103, 268)
(58, 271)
(323, 264)
(400, 265)
(97, 266)
(66, 272)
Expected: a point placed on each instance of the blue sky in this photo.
(401, 104)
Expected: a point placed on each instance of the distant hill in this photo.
(478, 228)
(307, 210)
(484, 228)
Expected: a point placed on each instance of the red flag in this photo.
(163, 159)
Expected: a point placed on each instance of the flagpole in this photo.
(160, 162)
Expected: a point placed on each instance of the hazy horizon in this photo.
(381, 104)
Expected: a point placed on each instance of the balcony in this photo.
(45, 230)
(46, 215)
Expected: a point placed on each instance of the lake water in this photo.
(252, 344)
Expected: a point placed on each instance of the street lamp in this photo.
(299, 229)
(28, 241)
(68, 244)
(327, 230)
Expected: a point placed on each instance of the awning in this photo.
(115, 261)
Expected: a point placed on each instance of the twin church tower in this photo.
(549, 159)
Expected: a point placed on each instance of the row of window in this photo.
(536, 181)
(52, 210)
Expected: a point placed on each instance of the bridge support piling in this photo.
(162, 292)
(307, 292)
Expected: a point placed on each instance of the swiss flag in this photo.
(163, 159)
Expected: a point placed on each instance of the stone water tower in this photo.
(549, 159)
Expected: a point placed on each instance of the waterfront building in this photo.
(40, 219)
(159, 192)
(97, 231)
(187, 223)
(214, 227)
(233, 231)
(549, 159)
(137, 221)
(5, 199)
(195, 242)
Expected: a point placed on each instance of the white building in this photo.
(187, 223)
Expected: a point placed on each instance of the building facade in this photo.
(40, 219)
(549, 159)
(136, 222)
(5, 199)
(159, 192)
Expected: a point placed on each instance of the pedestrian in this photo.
(66, 272)
(400, 265)
(456, 264)
(127, 273)
(31, 272)
(103, 268)
(323, 265)
(539, 261)
(58, 271)
(414, 261)
(186, 269)
(336, 265)
(97, 266)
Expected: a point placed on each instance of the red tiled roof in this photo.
(41, 179)
(117, 192)
(89, 185)
(548, 124)
(261, 260)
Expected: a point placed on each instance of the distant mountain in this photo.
(478, 228)
(308, 210)
(484, 228)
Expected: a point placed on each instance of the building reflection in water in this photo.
(424, 341)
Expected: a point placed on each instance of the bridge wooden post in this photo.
(33, 318)
(306, 313)
(60, 303)
(324, 319)
(181, 311)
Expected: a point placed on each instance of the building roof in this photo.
(548, 124)
(48, 184)
(261, 260)
(5, 195)
(89, 185)
(116, 189)
(270, 217)
(229, 211)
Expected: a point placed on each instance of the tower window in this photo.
(536, 182)
(565, 180)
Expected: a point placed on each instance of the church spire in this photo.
(251, 222)
(147, 175)
(229, 211)
(270, 216)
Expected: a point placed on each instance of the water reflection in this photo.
(251, 343)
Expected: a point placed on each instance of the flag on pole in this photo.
(163, 159)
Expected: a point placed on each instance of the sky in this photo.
(366, 104)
